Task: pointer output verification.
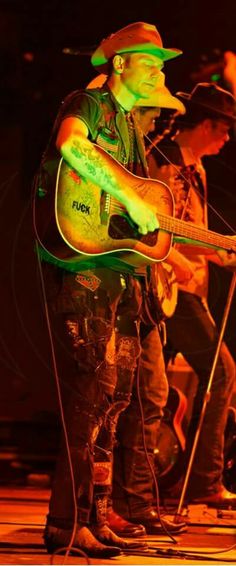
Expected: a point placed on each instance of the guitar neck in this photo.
(196, 234)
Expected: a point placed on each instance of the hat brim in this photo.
(189, 101)
(100, 59)
(163, 99)
(98, 81)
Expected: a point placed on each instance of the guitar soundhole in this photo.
(121, 228)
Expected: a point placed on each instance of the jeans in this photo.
(133, 483)
(90, 352)
(192, 331)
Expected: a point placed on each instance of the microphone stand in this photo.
(207, 396)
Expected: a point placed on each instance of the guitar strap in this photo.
(151, 313)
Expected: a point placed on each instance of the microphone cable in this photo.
(64, 429)
(157, 496)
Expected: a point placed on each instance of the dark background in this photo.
(35, 75)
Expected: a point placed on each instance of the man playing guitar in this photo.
(92, 128)
(191, 330)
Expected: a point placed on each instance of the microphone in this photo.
(78, 52)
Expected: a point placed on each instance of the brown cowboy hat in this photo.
(161, 97)
(210, 97)
(139, 37)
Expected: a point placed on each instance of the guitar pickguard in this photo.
(120, 228)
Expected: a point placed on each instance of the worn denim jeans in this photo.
(133, 484)
(192, 332)
(91, 350)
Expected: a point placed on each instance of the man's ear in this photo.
(118, 64)
(207, 125)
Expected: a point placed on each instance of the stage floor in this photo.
(23, 511)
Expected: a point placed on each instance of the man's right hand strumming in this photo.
(144, 215)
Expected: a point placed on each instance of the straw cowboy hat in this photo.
(161, 97)
(212, 98)
(139, 37)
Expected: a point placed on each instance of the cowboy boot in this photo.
(102, 491)
(56, 538)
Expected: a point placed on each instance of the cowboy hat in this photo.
(137, 37)
(98, 81)
(161, 97)
(212, 98)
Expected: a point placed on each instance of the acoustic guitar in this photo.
(76, 221)
(170, 451)
(165, 287)
(171, 441)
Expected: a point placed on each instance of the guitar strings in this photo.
(189, 229)
(184, 228)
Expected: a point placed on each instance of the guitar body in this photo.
(164, 288)
(77, 221)
(171, 442)
(170, 452)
